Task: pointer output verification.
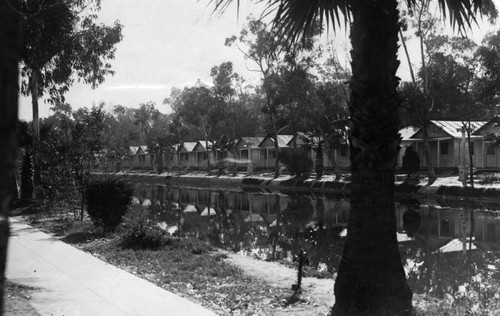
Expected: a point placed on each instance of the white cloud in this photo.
(137, 87)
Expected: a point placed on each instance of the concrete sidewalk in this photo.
(68, 281)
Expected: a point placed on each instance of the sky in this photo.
(171, 43)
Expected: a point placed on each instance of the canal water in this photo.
(450, 248)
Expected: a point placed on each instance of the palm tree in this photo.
(371, 279)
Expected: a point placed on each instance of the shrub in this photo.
(143, 236)
(108, 201)
(296, 160)
(411, 161)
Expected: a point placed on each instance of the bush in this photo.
(411, 161)
(144, 236)
(296, 160)
(108, 201)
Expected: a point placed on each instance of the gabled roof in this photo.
(303, 136)
(142, 149)
(188, 146)
(407, 132)
(133, 150)
(249, 141)
(202, 144)
(283, 140)
(453, 128)
(490, 126)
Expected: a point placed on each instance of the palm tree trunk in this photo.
(9, 76)
(371, 279)
(36, 131)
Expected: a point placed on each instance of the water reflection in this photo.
(449, 248)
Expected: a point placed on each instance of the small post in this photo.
(300, 257)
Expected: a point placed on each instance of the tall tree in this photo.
(147, 118)
(199, 107)
(61, 44)
(268, 52)
(10, 49)
(371, 279)
(420, 100)
(487, 88)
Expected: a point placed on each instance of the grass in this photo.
(185, 266)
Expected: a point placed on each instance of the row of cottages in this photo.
(448, 145)
(259, 151)
(445, 145)
(139, 157)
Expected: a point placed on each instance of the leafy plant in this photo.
(108, 201)
(143, 236)
(411, 161)
(296, 160)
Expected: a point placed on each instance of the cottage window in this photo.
(490, 149)
(264, 153)
(142, 158)
(205, 156)
(273, 153)
(443, 148)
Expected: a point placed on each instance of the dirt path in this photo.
(317, 292)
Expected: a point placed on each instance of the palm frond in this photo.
(295, 18)
(220, 6)
(462, 13)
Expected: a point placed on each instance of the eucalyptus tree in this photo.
(269, 54)
(487, 88)
(371, 279)
(326, 108)
(198, 107)
(62, 42)
(420, 100)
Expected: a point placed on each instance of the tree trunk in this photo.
(318, 165)
(371, 279)
(331, 158)
(427, 155)
(160, 160)
(9, 76)
(471, 161)
(276, 156)
(208, 156)
(275, 135)
(36, 131)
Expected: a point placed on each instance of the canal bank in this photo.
(447, 186)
